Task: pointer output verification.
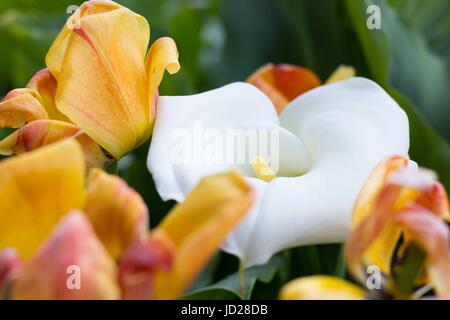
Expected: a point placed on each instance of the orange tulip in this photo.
(100, 86)
(70, 237)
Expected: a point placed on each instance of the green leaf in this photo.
(382, 55)
(229, 286)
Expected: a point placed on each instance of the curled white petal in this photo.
(331, 138)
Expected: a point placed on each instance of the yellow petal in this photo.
(72, 264)
(37, 188)
(56, 53)
(102, 86)
(163, 55)
(40, 133)
(321, 288)
(373, 236)
(433, 236)
(36, 134)
(341, 73)
(21, 106)
(45, 85)
(199, 225)
(283, 83)
(117, 212)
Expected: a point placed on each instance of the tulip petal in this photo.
(395, 186)
(341, 73)
(343, 130)
(56, 54)
(102, 86)
(40, 133)
(75, 264)
(37, 189)
(283, 83)
(117, 212)
(21, 106)
(199, 225)
(433, 235)
(10, 266)
(140, 264)
(45, 85)
(321, 288)
(195, 229)
(163, 55)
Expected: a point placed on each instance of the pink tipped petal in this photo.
(72, 264)
(10, 265)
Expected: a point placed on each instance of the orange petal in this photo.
(102, 85)
(283, 83)
(391, 189)
(140, 264)
(163, 55)
(321, 288)
(40, 133)
(373, 237)
(37, 188)
(72, 264)
(56, 53)
(45, 85)
(21, 106)
(433, 236)
(10, 265)
(199, 225)
(117, 212)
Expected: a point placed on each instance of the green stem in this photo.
(406, 273)
(340, 265)
(241, 278)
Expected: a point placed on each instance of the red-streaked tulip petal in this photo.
(321, 288)
(283, 83)
(40, 133)
(37, 189)
(56, 53)
(10, 266)
(140, 264)
(102, 86)
(373, 236)
(21, 106)
(433, 236)
(199, 225)
(117, 212)
(72, 264)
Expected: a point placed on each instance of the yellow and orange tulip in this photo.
(398, 205)
(101, 85)
(50, 220)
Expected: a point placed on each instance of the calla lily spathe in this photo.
(100, 82)
(50, 221)
(330, 138)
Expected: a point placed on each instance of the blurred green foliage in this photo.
(225, 41)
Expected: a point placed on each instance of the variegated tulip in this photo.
(101, 85)
(62, 240)
(329, 138)
(399, 227)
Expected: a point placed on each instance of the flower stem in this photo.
(408, 270)
(241, 277)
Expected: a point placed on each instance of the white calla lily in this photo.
(330, 139)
